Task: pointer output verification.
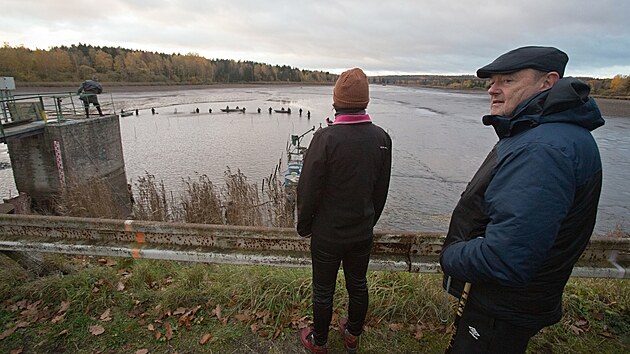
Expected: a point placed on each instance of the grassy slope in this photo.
(257, 309)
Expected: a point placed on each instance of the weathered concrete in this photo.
(91, 150)
(392, 251)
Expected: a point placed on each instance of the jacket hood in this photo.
(567, 101)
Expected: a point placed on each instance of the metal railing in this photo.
(48, 107)
(605, 257)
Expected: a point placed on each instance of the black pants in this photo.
(326, 259)
(91, 98)
(478, 332)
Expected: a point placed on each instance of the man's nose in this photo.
(492, 89)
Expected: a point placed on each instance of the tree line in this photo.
(618, 86)
(82, 61)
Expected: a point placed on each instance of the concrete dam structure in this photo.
(70, 152)
(53, 147)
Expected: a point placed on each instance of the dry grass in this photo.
(94, 199)
(201, 202)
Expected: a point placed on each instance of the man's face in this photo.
(507, 91)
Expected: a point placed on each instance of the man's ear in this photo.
(550, 79)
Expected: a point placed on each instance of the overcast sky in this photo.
(382, 37)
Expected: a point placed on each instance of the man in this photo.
(529, 211)
(340, 196)
(88, 91)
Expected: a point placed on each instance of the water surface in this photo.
(438, 143)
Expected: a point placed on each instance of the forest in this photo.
(82, 61)
(618, 86)
(79, 62)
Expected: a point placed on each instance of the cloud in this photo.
(402, 36)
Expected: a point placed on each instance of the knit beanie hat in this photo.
(351, 90)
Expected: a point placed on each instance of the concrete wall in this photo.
(91, 149)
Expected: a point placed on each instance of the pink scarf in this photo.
(352, 119)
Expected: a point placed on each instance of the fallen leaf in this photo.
(607, 334)
(242, 317)
(254, 327)
(58, 318)
(217, 311)
(63, 333)
(185, 320)
(65, 305)
(8, 332)
(158, 335)
(179, 311)
(97, 330)
(205, 338)
(17, 351)
(120, 286)
(581, 323)
(105, 316)
(169, 331)
(150, 327)
(142, 351)
(576, 330)
(395, 327)
(419, 334)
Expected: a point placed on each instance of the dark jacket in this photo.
(90, 87)
(529, 211)
(344, 181)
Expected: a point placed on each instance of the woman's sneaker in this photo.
(349, 341)
(308, 340)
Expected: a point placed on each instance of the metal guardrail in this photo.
(49, 107)
(393, 251)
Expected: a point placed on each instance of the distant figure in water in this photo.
(209, 110)
(259, 110)
(136, 111)
(197, 110)
(269, 110)
(227, 108)
(175, 112)
(236, 107)
(289, 110)
(152, 110)
(300, 112)
(308, 114)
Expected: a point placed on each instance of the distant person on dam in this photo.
(341, 194)
(88, 91)
(529, 211)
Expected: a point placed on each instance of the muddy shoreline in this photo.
(609, 107)
(614, 108)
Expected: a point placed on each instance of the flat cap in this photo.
(545, 59)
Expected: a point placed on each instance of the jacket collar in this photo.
(351, 118)
(567, 101)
